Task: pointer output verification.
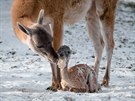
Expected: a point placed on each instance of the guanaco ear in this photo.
(24, 28)
(40, 17)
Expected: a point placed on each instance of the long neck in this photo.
(64, 73)
(25, 21)
(22, 13)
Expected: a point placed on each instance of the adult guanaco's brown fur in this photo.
(99, 15)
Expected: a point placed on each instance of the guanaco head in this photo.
(40, 40)
(64, 54)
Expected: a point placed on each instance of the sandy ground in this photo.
(24, 76)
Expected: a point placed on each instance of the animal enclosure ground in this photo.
(24, 76)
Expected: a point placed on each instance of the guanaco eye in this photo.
(69, 52)
(40, 46)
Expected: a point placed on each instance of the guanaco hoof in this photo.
(78, 78)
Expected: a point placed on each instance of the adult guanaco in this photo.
(99, 15)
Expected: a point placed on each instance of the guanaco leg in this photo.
(93, 26)
(57, 27)
(107, 17)
(100, 22)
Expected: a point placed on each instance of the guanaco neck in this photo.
(25, 21)
(64, 74)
